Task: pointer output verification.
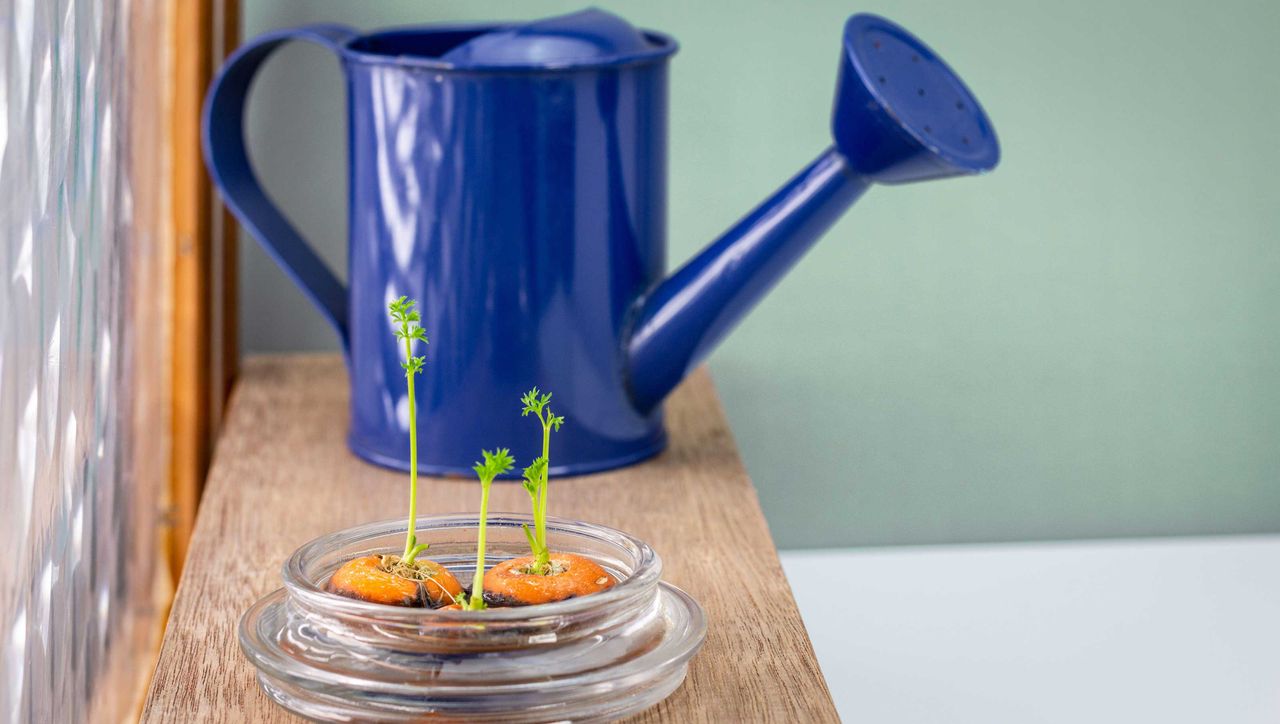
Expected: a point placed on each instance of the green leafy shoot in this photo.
(407, 330)
(494, 464)
(535, 477)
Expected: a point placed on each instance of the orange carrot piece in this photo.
(366, 579)
(508, 583)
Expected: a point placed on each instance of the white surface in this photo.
(1178, 630)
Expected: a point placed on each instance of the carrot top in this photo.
(535, 477)
(493, 465)
(407, 330)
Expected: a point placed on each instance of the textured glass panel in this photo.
(80, 489)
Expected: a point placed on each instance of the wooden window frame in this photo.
(204, 343)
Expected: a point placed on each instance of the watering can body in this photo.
(526, 212)
(523, 204)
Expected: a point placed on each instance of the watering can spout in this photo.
(901, 115)
(682, 320)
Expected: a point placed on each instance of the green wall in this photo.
(1084, 343)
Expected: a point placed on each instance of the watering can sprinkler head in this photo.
(901, 114)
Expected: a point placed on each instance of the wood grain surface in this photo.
(282, 475)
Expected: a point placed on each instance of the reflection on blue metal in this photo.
(513, 179)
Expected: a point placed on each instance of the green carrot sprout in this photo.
(494, 464)
(407, 330)
(535, 478)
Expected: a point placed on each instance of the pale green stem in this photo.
(476, 601)
(544, 554)
(411, 540)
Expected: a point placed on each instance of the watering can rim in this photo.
(663, 47)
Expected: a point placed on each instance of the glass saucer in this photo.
(598, 657)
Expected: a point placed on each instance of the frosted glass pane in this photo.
(80, 489)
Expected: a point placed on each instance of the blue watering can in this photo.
(513, 179)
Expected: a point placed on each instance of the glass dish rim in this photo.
(646, 572)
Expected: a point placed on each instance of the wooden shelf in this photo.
(282, 475)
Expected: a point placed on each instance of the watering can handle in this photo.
(228, 161)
